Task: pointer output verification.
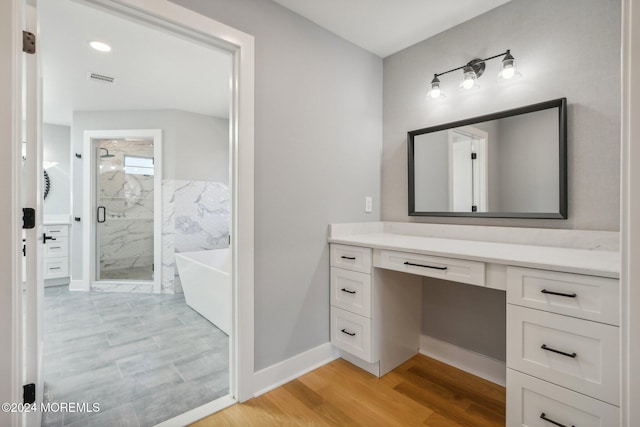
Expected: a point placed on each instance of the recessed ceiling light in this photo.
(100, 46)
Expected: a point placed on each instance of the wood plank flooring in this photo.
(420, 392)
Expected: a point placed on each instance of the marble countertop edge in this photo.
(581, 261)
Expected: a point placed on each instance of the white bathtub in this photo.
(206, 282)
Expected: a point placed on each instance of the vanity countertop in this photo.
(604, 263)
(60, 219)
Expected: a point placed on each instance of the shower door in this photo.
(125, 192)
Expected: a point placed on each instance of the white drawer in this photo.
(457, 270)
(589, 360)
(530, 399)
(57, 248)
(352, 333)
(587, 297)
(351, 258)
(56, 267)
(351, 291)
(57, 230)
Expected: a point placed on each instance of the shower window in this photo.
(137, 165)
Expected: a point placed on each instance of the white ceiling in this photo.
(157, 70)
(387, 26)
(153, 69)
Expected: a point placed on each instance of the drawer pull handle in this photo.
(425, 266)
(55, 247)
(348, 257)
(544, 347)
(54, 268)
(351, 334)
(544, 417)
(544, 291)
(349, 291)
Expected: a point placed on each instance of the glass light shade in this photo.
(435, 91)
(508, 70)
(469, 79)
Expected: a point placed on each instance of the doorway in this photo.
(123, 200)
(468, 169)
(240, 48)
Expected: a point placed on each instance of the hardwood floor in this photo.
(420, 392)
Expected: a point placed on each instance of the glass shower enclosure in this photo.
(124, 209)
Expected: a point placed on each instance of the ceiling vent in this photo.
(100, 78)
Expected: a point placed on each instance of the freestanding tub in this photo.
(206, 282)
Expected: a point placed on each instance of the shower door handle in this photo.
(101, 214)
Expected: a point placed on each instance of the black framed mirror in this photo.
(510, 164)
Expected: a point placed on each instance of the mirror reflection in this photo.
(508, 164)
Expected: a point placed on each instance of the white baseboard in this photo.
(475, 363)
(199, 413)
(78, 285)
(281, 373)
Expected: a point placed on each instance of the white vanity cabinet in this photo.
(562, 308)
(563, 349)
(375, 314)
(56, 255)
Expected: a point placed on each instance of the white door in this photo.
(34, 238)
(461, 176)
(468, 178)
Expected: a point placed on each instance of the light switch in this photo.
(368, 204)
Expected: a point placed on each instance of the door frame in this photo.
(181, 20)
(482, 183)
(89, 182)
(629, 214)
(240, 45)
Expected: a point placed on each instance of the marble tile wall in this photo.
(196, 217)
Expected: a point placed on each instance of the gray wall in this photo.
(56, 147)
(568, 48)
(431, 156)
(318, 104)
(527, 165)
(195, 147)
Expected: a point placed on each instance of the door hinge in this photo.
(474, 208)
(28, 42)
(28, 218)
(29, 393)
(474, 156)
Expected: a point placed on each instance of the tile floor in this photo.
(144, 358)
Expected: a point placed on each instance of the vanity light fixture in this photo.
(472, 71)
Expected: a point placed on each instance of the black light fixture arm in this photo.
(472, 63)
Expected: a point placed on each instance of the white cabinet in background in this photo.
(56, 255)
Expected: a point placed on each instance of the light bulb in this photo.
(507, 73)
(467, 83)
(468, 78)
(435, 92)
